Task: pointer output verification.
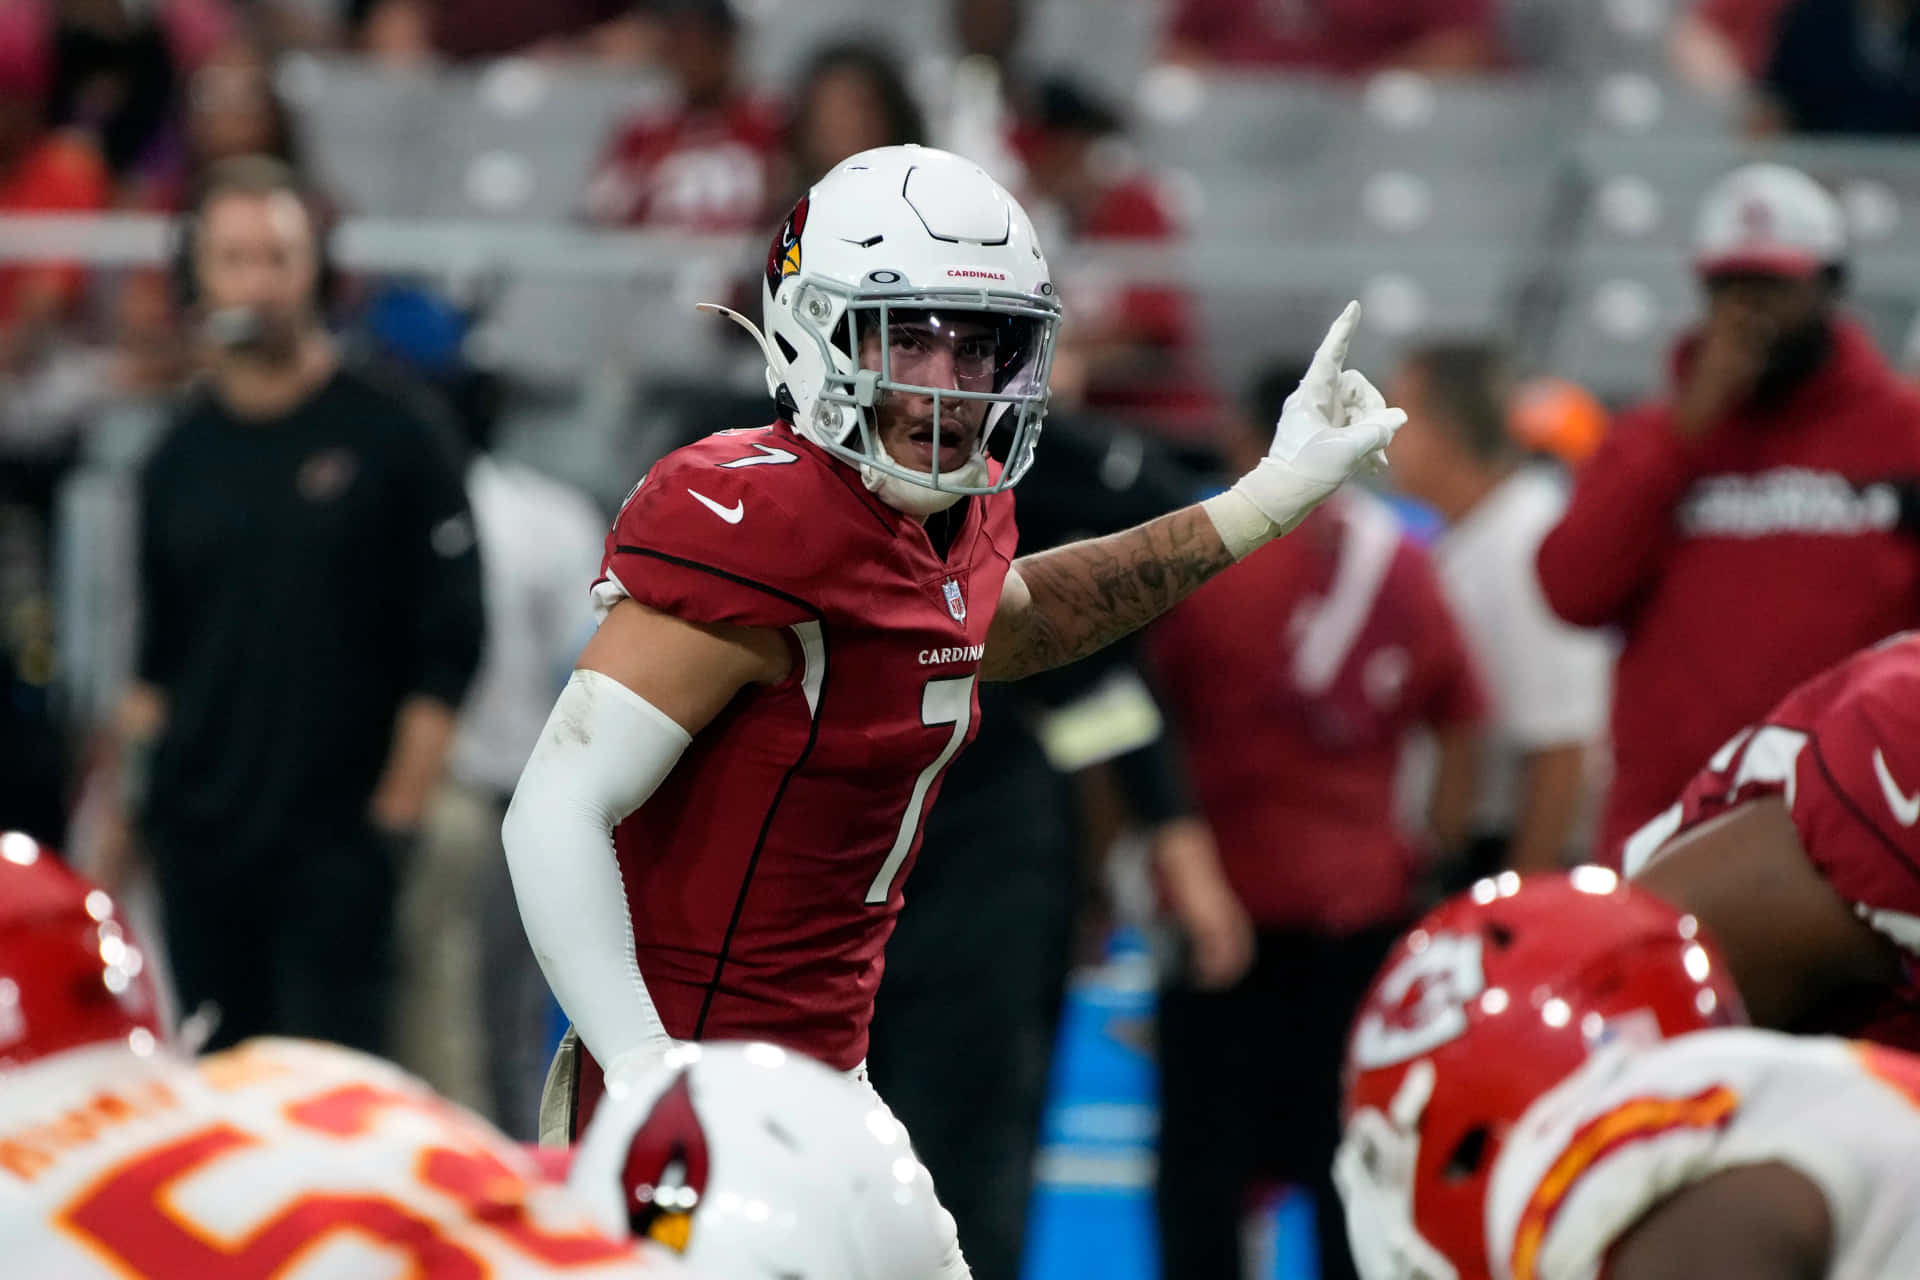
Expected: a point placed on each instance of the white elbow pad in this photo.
(604, 750)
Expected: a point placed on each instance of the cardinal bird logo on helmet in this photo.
(666, 1170)
(783, 255)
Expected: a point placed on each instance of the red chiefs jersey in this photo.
(764, 874)
(1843, 751)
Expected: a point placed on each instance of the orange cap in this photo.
(1552, 415)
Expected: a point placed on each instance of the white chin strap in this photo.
(918, 497)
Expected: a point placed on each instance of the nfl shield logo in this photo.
(956, 603)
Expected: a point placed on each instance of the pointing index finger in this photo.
(1322, 382)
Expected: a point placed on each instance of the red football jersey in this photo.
(1843, 751)
(764, 874)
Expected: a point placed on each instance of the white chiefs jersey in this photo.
(278, 1160)
(1636, 1124)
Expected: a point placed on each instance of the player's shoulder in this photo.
(1863, 716)
(1635, 1124)
(281, 1064)
(1875, 684)
(771, 461)
(763, 492)
(753, 528)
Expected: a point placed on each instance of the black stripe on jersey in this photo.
(1899, 855)
(761, 587)
(773, 806)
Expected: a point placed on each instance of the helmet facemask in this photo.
(912, 369)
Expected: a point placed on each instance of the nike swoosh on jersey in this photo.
(1906, 808)
(730, 514)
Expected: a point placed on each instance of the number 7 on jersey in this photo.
(947, 701)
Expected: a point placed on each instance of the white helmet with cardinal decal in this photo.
(754, 1163)
(892, 245)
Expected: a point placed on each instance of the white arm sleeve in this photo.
(602, 753)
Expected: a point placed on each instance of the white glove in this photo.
(1334, 424)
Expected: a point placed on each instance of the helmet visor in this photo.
(963, 362)
(951, 350)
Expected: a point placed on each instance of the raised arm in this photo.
(1065, 603)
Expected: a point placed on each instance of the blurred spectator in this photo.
(310, 600)
(33, 764)
(231, 109)
(1842, 66)
(989, 29)
(1549, 681)
(1722, 46)
(1345, 36)
(1135, 345)
(708, 166)
(114, 77)
(1293, 690)
(1745, 533)
(41, 171)
(976, 103)
(129, 391)
(412, 31)
(852, 98)
(473, 1006)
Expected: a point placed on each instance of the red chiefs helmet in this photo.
(70, 972)
(1483, 1006)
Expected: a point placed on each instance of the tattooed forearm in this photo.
(1088, 594)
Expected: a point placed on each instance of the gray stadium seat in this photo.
(364, 130)
(1248, 125)
(518, 140)
(1622, 308)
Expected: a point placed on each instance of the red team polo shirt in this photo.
(1293, 683)
(764, 875)
(1843, 751)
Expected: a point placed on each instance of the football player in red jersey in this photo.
(1798, 846)
(795, 618)
(1549, 1081)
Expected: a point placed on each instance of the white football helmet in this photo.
(901, 232)
(754, 1162)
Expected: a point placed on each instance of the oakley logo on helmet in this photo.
(783, 256)
(1421, 1003)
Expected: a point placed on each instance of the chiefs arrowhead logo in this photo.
(1421, 1003)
